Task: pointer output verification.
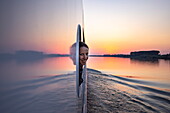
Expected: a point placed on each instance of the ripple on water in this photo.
(109, 94)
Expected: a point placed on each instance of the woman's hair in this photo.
(81, 44)
(73, 50)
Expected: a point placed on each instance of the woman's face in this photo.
(83, 55)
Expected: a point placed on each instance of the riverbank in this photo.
(111, 95)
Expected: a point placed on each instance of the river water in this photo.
(126, 85)
(38, 86)
(114, 85)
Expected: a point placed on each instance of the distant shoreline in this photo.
(165, 57)
(139, 55)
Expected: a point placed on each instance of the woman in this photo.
(83, 57)
(84, 51)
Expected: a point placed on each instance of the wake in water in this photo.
(43, 94)
(111, 94)
(106, 94)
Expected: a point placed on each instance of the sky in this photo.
(122, 26)
(111, 26)
(41, 25)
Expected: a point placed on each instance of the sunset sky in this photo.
(41, 25)
(122, 26)
(111, 26)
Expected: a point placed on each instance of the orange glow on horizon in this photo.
(123, 29)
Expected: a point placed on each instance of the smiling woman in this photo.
(79, 54)
(83, 57)
(84, 52)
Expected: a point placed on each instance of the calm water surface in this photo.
(38, 86)
(145, 70)
(48, 85)
(126, 85)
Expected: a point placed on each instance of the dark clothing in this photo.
(80, 75)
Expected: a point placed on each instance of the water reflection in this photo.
(120, 93)
(18, 70)
(28, 61)
(167, 62)
(125, 67)
(154, 62)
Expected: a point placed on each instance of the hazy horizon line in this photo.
(45, 53)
